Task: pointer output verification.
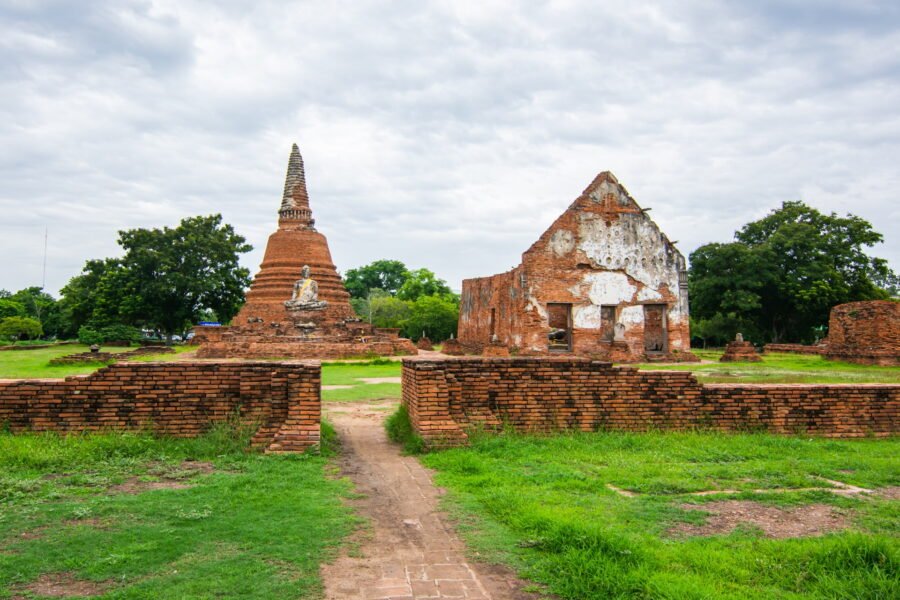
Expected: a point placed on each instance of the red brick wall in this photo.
(603, 251)
(794, 348)
(444, 397)
(181, 399)
(865, 332)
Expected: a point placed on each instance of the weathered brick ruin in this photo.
(180, 399)
(296, 312)
(740, 351)
(543, 394)
(865, 332)
(93, 357)
(602, 281)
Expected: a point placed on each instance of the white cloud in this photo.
(445, 134)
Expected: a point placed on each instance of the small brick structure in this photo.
(425, 344)
(93, 357)
(445, 397)
(603, 281)
(865, 332)
(180, 399)
(740, 351)
(266, 328)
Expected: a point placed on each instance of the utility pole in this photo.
(44, 274)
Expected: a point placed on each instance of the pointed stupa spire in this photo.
(295, 200)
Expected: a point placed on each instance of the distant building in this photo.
(602, 281)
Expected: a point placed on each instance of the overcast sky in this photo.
(447, 135)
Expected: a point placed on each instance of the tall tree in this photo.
(387, 275)
(786, 271)
(43, 307)
(422, 282)
(173, 274)
(167, 279)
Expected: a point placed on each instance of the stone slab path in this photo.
(409, 549)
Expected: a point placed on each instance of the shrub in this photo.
(20, 327)
(120, 333)
(89, 335)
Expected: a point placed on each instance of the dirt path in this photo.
(410, 550)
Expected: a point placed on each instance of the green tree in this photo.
(11, 308)
(422, 282)
(387, 275)
(786, 271)
(40, 305)
(172, 274)
(168, 278)
(436, 316)
(388, 311)
(20, 327)
(95, 295)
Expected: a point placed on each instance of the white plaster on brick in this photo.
(648, 293)
(587, 317)
(608, 287)
(633, 315)
(562, 242)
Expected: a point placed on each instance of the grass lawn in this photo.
(781, 368)
(352, 374)
(34, 364)
(132, 516)
(542, 505)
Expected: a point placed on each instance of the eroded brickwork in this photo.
(446, 397)
(740, 351)
(265, 328)
(865, 332)
(181, 399)
(604, 270)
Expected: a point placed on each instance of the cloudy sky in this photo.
(448, 135)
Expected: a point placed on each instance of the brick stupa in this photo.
(297, 305)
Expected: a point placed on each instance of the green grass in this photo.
(257, 527)
(400, 430)
(781, 368)
(35, 364)
(351, 373)
(542, 505)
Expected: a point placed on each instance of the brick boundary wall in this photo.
(445, 397)
(180, 399)
(795, 348)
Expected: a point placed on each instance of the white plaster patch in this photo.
(609, 287)
(562, 242)
(536, 306)
(633, 315)
(632, 243)
(648, 294)
(588, 317)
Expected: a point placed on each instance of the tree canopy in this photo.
(387, 294)
(779, 280)
(166, 280)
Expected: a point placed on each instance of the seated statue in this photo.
(306, 294)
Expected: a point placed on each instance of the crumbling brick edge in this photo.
(446, 398)
(180, 399)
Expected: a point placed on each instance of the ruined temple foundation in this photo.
(740, 351)
(297, 305)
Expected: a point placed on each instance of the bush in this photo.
(120, 333)
(88, 335)
(20, 327)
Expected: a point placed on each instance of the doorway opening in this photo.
(559, 315)
(655, 328)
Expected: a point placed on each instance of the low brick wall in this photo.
(794, 348)
(445, 397)
(181, 399)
